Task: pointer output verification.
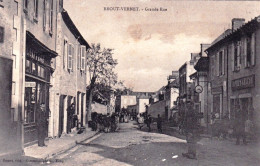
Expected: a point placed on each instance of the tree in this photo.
(101, 65)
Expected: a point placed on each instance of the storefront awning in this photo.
(39, 46)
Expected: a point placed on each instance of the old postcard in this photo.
(129, 82)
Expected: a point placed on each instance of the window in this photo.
(83, 57)
(35, 17)
(212, 66)
(51, 17)
(25, 6)
(65, 53)
(250, 51)
(78, 57)
(70, 57)
(221, 63)
(44, 15)
(237, 55)
(2, 30)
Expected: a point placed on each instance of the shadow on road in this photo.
(146, 153)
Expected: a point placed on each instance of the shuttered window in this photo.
(253, 46)
(83, 58)
(70, 52)
(78, 56)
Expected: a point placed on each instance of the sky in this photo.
(149, 45)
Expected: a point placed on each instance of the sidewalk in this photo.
(58, 145)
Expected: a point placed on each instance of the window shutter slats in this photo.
(245, 52)
(239, 54)
(223, 61)
(82, 58)
(70, 57)
(217, 64)
(253, 49)
(232, 50)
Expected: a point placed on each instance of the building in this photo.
(235, 72)
(126, 100)
(200, 81)
(186, 83)
(11, 38)
(171, 93)
(32, 35)
(69, 77)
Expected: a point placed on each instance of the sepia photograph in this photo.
(129, 83)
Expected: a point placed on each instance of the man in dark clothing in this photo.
(148, 122)
(159, 123)
(240, 126)
(71, 112)
(41, 124)
(192, 131)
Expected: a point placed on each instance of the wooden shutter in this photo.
(69, 56)
(78, 56)
(231, 50)
(83, 58)
(253, 49)
(223, 61)
(245, 52)
(72, 57)
(217, 64)
(238, 54)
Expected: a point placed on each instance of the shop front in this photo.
(242, 96)
(37, 83)
(217, 104)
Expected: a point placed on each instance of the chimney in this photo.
(203, 47)
(237, 23)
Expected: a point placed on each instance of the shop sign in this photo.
(243, 83)
(216, 90)
(30, 84)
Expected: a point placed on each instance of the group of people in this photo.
(105, 123)
(143, 119)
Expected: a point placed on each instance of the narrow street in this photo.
(130, 146)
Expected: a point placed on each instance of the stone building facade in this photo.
(238, 74)
(69, 76)
(11, 53)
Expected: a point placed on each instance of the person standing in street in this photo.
(41, 124)
(240, 118)
(149, 121)
(192, 131)
(71, 112)
(159, 123)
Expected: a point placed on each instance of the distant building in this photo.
(185, 83)
(200, 81)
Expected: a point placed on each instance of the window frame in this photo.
(70, 57)
(25, 6)
(36, 10)
(83, 58)
(44, 15)
(51, 17)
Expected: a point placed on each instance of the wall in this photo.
(141, 105)
(157, 108)
(99, 108)
(127, 100)
(11, 59)
(67, 82)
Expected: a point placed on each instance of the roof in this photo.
(39, 46)
(73, 29)
(202, 64)
(249, 27)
